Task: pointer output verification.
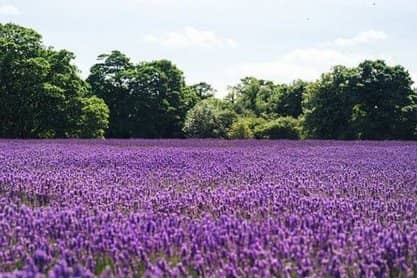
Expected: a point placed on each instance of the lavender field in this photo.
(179, 208)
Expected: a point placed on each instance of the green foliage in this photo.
(254, 122)
(225, 119)
(94, 117)
(147, 100)
(287, 99)
(109, 79)
(327, 105)
(42, 96)
(203, 90)
(261, 98)
(371, 101)
(243, 128)
(280, 128)
(409, 113)
(251, 96)
(40, 89)
(210, 118)
(104, 263)
(159, 102)
(381, 97)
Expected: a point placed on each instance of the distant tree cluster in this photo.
(371, 101)
(42, 96)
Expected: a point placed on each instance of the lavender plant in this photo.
(180, 208)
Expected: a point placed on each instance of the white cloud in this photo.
(361, 38)
(310, 63)
(189, 37)
(7, 9)
(307, 64)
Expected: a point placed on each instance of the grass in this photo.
(102, 262)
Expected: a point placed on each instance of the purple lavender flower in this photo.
(154, 208)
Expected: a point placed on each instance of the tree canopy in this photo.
(41, 94)
(371, 101)
(262, 98)
(147, 100)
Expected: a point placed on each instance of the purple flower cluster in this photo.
(175, 208)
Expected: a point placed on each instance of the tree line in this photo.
(43, 96)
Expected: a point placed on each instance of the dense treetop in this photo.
(148, 99)
(371, 101)
(41, 94)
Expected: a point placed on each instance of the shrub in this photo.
(253, 122)
(224, 120)
(208, 119)
(281, 128)
(240, 129)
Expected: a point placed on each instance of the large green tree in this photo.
(328, 105)
(110, 79)
(384, 105)
(371, 101)
(147, 100)
(41, 94)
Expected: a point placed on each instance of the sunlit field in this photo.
(208, 208)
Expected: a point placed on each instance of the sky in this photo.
(220, 42)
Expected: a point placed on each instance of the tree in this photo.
(287, 99)
(327, 105)
(251, 96)
(381, 95)
(262, 98)
(193, 94)
(39, 87)
(169, 102)
(110, 80)
(203, 90)
(147, 100)
(210, 118)
(371, 101)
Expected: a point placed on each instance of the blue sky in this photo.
(221, 41)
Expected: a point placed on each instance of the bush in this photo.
(281, 128)
(242, 128)
(224, 120)
(253, 122)
(94, 117)
(208, 119)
